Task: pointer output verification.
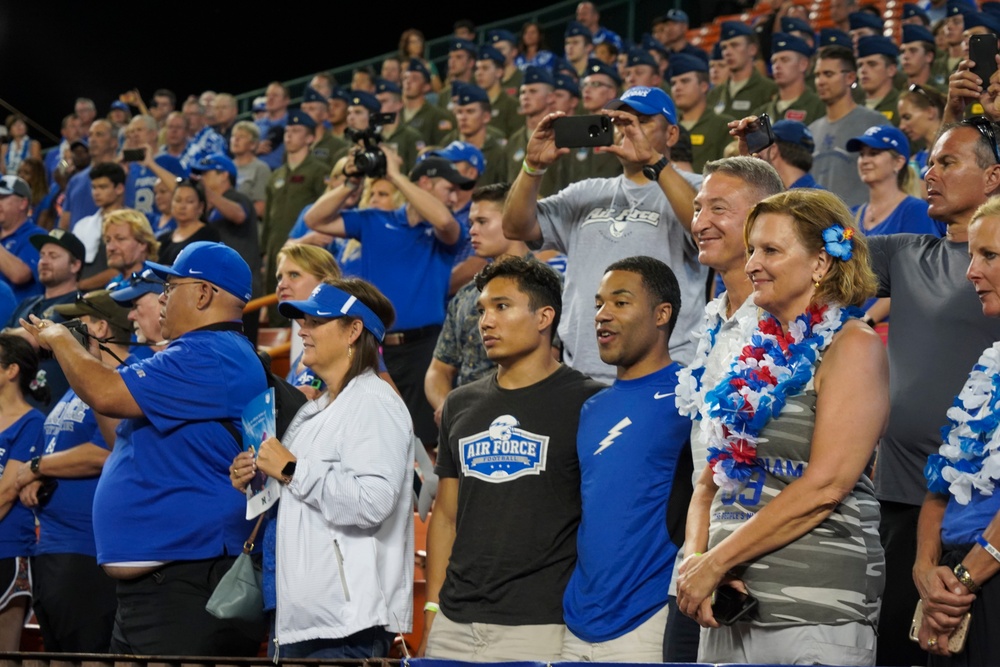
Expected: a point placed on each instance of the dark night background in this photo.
(52, 52)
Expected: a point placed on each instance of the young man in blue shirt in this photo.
(635, 470)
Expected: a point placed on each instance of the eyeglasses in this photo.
(986, 128)
(170, 287)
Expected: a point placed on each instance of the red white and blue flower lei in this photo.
(771, 368)
(969, 456)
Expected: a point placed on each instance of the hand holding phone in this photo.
(759, 134)
(583, 131)
(730, 605)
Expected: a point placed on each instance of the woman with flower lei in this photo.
(958, 533)
(785, 511)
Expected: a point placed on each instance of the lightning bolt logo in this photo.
(613, 433)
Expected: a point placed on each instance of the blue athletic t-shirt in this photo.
(165, 492)
(17, 529)
(395, 253)
(66, 523)
(630, 443)
(19, 245)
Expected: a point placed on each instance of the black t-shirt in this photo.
(514, 454)
(169, 249)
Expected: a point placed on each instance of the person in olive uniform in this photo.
(503, 107)
(472, 113)
(462, 56)
(876, 68)
(505, 42)
(431, 121)
(708, 130)
(747, 88)
(599, 86)
(789, 64)
(299, 181)
(325, 145)
(406, 141)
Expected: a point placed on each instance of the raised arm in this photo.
(425, 204)
(520, 212)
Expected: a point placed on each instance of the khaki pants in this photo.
(643, 644)
(486, 642)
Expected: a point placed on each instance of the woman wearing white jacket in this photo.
(344, 548)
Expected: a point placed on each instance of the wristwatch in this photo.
(34, 464)
(965, 578)
(652, 171)
(288, 472)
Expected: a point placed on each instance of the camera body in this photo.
(78, 329)
(369, 160)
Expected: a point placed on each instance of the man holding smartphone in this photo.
(647, 209)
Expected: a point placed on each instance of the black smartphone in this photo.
(730, 605)
(759, 134)
(580, 131)
(983, 51)
(134, 154)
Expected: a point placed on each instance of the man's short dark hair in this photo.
(983, 147)
(795, 154)
(841, 53)
(169, 94)
(659, 281)
(532, 277)
(466, 24)
(495, 192)
(110, 170)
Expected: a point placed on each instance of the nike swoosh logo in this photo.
(392, 227)
(320, 313)
(658, 395)
(195, 273)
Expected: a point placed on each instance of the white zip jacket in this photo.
(345, 521)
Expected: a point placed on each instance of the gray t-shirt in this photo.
(599, 221)
(833, 166)
(937, 333)
(251, 179)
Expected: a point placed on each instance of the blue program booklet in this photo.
(258, 426)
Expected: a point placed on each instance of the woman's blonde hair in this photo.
(990, 209)
(848, 282)
(314, 260)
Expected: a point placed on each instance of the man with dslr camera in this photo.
(419, 239)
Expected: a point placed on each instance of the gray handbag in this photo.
(238, 594)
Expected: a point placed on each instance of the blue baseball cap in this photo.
(459, 44)
(859, 20)
(731, 29)
(467, 93)
(535, 74)
(678, 15)
(877, 45)
(834, 37)
(794, 132)
(642, 57)
(795, 24)
(648, 102)
(682, 63)
(327, 301)
(500, 35)
(259, 104)
(881, 137)
(139, 283)
(917, 33)
(439, 167)
(567, 83)
(575, 28)
(386, 86)
(911, 10)
(361, 98)
(310, 94)
(782, 41)
(300, 117)
(461, 151)
(417, 65)
(173, 165)
(216, 162)
(215, 263)
(121, 106)
(489, 52)
(595, 66)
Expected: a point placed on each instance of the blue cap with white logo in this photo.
(329, 302)
(881, 137)
(215, 263)
(648, 102)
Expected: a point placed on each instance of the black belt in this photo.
(395, 338)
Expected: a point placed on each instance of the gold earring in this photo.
(350, 350)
